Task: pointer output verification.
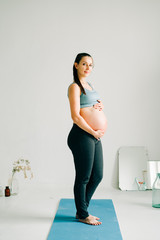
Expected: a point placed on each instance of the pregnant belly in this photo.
(95, 118)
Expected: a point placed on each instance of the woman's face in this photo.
(85, 66)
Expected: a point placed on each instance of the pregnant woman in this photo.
(84, 139)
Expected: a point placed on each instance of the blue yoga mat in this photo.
(66, 227)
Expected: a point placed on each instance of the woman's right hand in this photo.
(98, 134)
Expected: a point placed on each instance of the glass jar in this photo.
(156, 192)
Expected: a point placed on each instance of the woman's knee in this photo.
(82, 180)
(98, 177)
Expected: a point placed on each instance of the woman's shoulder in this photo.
(73, 86)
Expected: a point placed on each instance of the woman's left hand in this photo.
(99, 105)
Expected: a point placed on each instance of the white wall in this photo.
(38, 44)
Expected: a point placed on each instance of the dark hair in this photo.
(75, 74)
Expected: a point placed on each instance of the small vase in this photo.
(141, 185)
(14, 186)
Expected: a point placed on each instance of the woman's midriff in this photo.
(96, 119)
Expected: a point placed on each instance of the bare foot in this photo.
(77, 217)
(90, 220)
(97, 218)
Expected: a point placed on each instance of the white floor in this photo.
(29, 215)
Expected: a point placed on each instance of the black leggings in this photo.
(88, 160)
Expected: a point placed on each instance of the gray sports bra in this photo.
(90, 98)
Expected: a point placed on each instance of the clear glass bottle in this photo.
(14, 186)
(156, 192)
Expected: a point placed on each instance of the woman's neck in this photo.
(82, 80)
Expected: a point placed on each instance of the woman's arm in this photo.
(74, 99)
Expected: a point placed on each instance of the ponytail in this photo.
(75, 74)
